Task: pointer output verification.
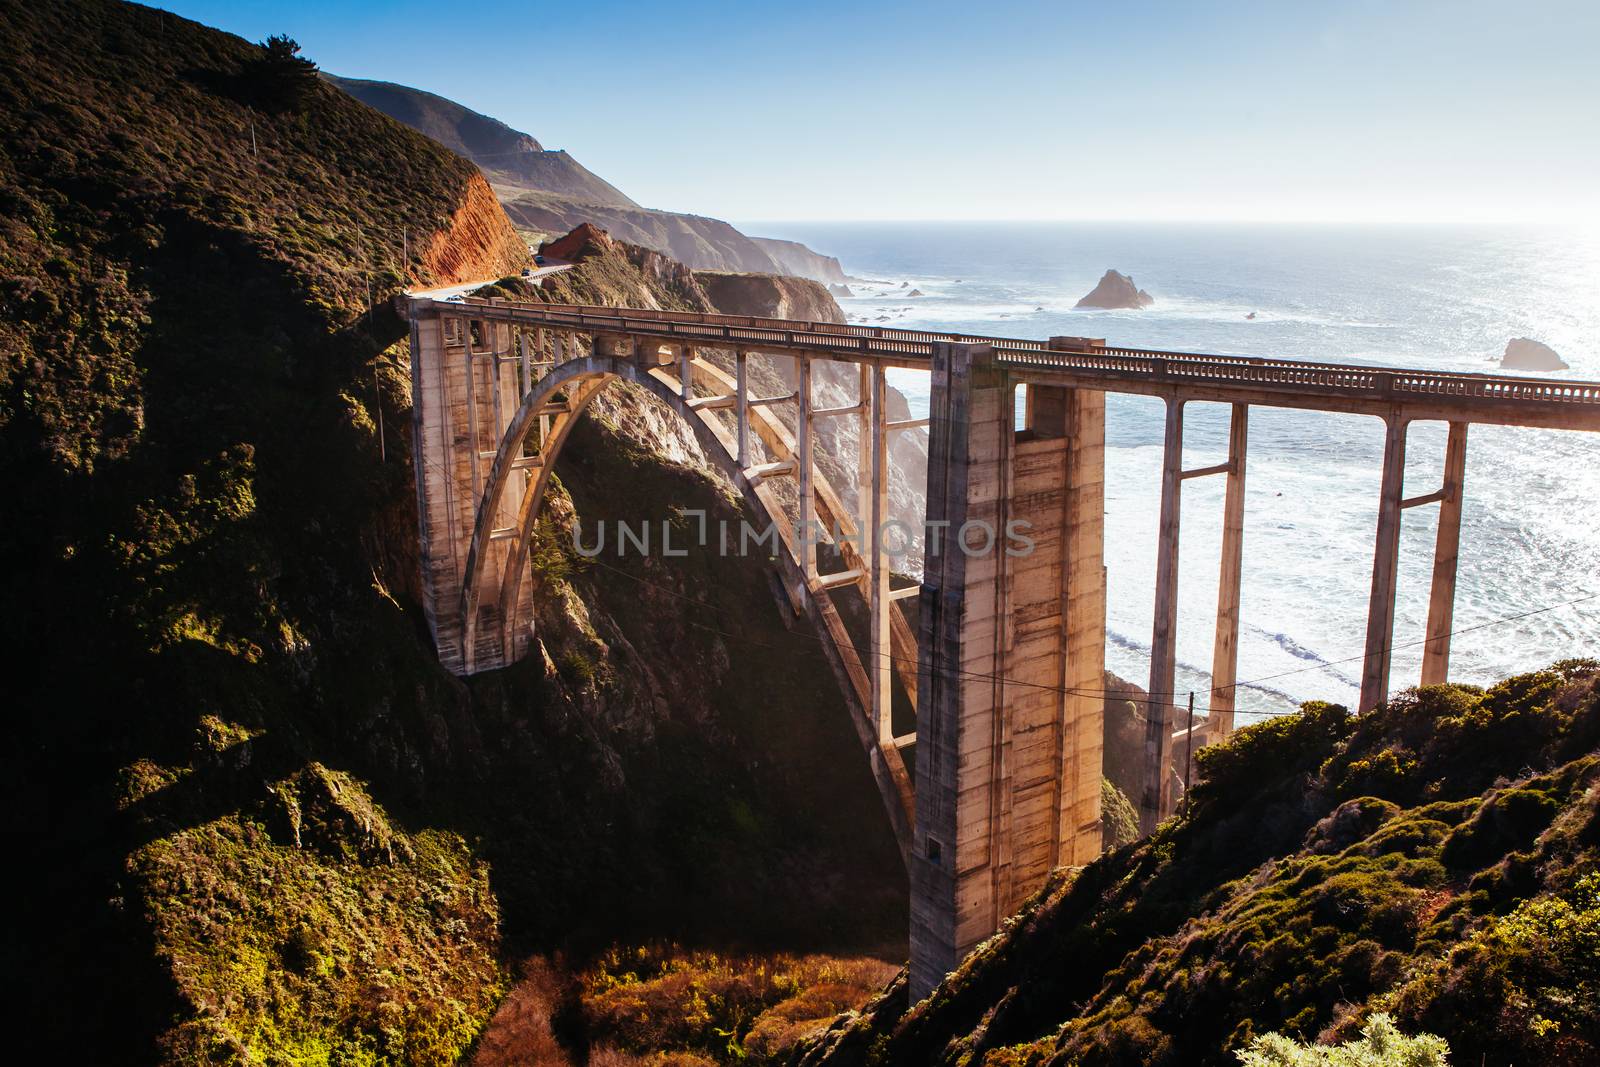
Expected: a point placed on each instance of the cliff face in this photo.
(766, 296)
(795, 258)
(618, 274)
(479, 241)
(699, 243)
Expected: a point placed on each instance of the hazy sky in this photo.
(1363, 110)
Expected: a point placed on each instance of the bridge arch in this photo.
(562, 395)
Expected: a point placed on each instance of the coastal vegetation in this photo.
(255, 821)
(1433, 861)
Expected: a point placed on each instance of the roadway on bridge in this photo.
(451, 292)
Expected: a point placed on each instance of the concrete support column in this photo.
(873, 499)
(1156, 803)
(1446, 550)
(865, 421)
(497, 381)
(1012, 617)
(540, 357)
(1225, 653)
(741, 360)
(1080, 745)
(805, 531)
(472, 409)
(447, 398)
(964, 430)
(685, 373)
(1385, 568)
(430, 447)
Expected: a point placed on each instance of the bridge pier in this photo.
(1225, 653)
(1158, 798)
(872, 499)
(1392, 505)
(1009, 725)
(1156, 803)
(1446, 551)
(806, 531)
(1385, 567)
(460, 381)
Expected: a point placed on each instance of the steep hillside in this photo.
(1435, 860)
(700, 243)
(513, 161)
(549, 192)
(252, 820)
(792, 257)
(769, 297)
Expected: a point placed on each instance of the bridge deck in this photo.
(1552, 403)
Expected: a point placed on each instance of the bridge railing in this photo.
(752, 322)
(844, 340)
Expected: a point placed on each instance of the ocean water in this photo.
(1436, 298)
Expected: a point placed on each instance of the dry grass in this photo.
(520, 1034)
(665, 999)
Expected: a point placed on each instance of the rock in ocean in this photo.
(1524, 353)
(1116, 290)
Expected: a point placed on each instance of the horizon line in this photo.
(1478, 223)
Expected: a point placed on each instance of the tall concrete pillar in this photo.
(450, 414)
(1446, 551)
(1385, 568)
(1225, 651)
(806, 531)
(873, 502)
(1008, 748)
(431, 458)
(1156, 802)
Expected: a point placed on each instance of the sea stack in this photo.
(841, 291)
(1116, 290)
(1524, 353)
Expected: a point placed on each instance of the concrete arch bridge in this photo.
(1005, 667)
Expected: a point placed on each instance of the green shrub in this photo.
(1119, 822)
(1380, 1045)
(284, 79)
(1509, 821)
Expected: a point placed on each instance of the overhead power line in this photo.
(954, 673)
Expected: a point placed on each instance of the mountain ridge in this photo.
(510, 159)
(551, 193)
